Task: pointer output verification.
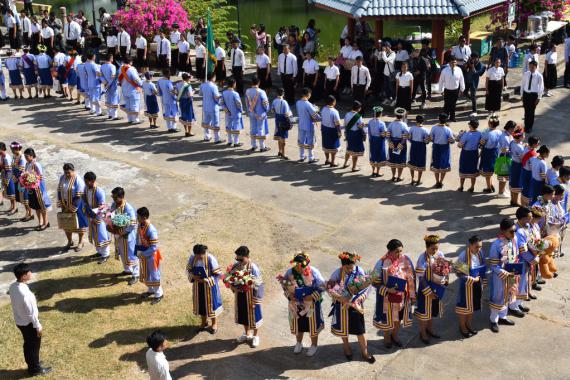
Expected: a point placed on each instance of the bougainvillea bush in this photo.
(526, 8)
(147, 17)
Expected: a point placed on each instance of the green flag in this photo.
(211, 61)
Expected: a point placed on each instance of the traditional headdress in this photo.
(16, 145)
(302, 258)
(537, 211)
(400, 111)
(349, 258)
(431, 239)
(42, 48)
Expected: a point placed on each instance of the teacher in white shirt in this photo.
(25, 309)
(452, 84)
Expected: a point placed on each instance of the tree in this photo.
(222, 15)
(147, 17)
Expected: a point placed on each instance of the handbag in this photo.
(502, 166)
(67, 221)
(284, 123)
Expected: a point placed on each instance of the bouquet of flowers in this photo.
(441, 269)
(461, 268)
(539, 245)
(29, 181)
(103, 213)
(120, 220)
(240, 278)
(354, 291)
(289, 285)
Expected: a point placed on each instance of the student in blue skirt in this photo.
(355, 134)
(419, 138)
(555, 165)
(14, 65)
(150, 99)
(504, 151)
(529, 152)
(441, 137)
(538, 172)
(469, 158)
(516, 147)
(282, 121)
(185, 102)
(398, 133)
(330, 131)
(490, 152)
(377, 133)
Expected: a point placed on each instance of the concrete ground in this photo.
(231, 197)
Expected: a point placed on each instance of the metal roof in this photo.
(375, 8)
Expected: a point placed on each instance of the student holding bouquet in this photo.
(204, 274)
(247, 297)
(70, 198)
(37, 191)
(471, 271)
(94, 200)
(309, 284)
(395, 281)
(149, 256)
(432, 271)
(527, 256)
(18, 169)
(347, 314)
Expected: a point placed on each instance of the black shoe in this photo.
(472, 332)
(531, 297)
(506, 322)
(540, 281)
(145, 295)
(103, 260)
(133, 281)
(555, 274)
(388, 345)
(397, 343)
(124, 273)
(95, 255)
(348, 357)
(524, 308)
(536, 287)
(424, 340)
(517, 313)
(431, 333)
(494, 327)
(464, 334)
(370, 359)
(156, 300)
(41, 371)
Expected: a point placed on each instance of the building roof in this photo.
(375, 8)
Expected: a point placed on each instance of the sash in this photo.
(68, 67)
(352, 121)
(252, 103)
(123, 75)
(183, 90)
(157, 257)
(28, 61)
(527, 156)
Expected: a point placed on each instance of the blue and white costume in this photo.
(345, 319)
(98, 234)
(70, 193)
(59, 63)
(504, 150)
(377, 134)
(282, 115)
(429, 305)
(71, 63)
(206, 295)
(7, 176)
(248, 303)
(441, 137)
(516, 150)
(355, 134)
(126, 239)
(398, 133)
(257, 108)
(529, 260)
(210, 110)
(233, 108)
(150, 258)
(419, 138)
(186, 103)
(82, 84)
(14, 64)
(30, 75)
(330, 129)
(469, 143)
(526, 174)
(469, 294)
(39, 197)
(308, 114)
(490, 152)
(167, 92)
(150, 93)
(93, 72)
(110, 79)
(502, 288)
(537, 178)
(131, 88)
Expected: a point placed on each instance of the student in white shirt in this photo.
(184, 64)
(532, 55)
(404, 88)
(71, 32)
(402, 55)
(452, 84)
(310, 71)
(388, 57)
(360, 81)
(263, 64)
(26, 28)
(142, 50)
(158, 368)
(238, 64)
(461, 52)
(47, 37)
(163, 51)
(550, 74)
(174, 52)
(12, 26)
(25, 309)
(494, 87)
(532, 88)
(332, 78)
(200, 53)
(287, 69)
(112, 42)
(123, 42)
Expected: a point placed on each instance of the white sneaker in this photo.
(298, 348)
(243, 338)
(423, 106)
(474, 114)
(312, 351)
(504, 195)
(255, 341)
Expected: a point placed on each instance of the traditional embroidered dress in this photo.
(419, 138)
(131, 88)
(186, 103)
(13, 65)
(313, 321)
(44, 62)
(126, 239)
(70, 193)
(516, 150)
(8, 184)
(257, 107)
(248, 304)
(429, 304)
(167, 92)
(308, 114)
(377, 133)
(38, 198)
(210, 108)
(282, 115)
(18, 168)
(231, 104)
(30, 75)
(150, 258)
(355, 134)
(98, 234)
(330, 129)
(490, 152)
(393, 309)
(502, 289)
(206, 296)
(469, 293)
(93, 71)
(398, 133)
(442, 137)
(111, 89)
(150, 99)
(469, 143)
(530, 260)
(82, 83)
(345, 319)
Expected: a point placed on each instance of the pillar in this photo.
(378, 29)
(351, 27)
(466, 28)
(63, 12)
(438, 38)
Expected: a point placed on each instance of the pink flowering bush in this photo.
(147, 17)
(524, 9)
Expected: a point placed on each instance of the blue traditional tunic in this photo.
(469, 143)
(282, 114)
(308, 114)
(110, 79)
(70, 193)
(441, 137)
(150, 99)
(8, 184)
(38, 198)
(490, 152)
(469, 293)
(93, 72)
(186, 103)
(419, 138)
(248, 304)
(98, 234)
(355, 135)
(210, 106)
(313, 321)
(231, 104)
(81, 78)
(501, 292)
(515, 171)
(526, 174)
(330, 129)
(523, 236)
(13, 65)
(29, 65)
(126, 237)
(257, 108)
(167, 92)
(345, 319)
(429, 305)
(537, 178)
(18, 168)
(150, 257)
(131, 85)
(377, 133)
(207, 298)
(504, 146)
(391, 310)
(398, 133)
(44, 62)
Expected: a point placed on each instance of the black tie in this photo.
(358, 76)
(234, 58)
(68, 31)
(529, 82)
(285, 65)
(160, 50)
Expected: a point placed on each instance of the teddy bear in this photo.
(546, 262)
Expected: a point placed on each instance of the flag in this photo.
(211, 61)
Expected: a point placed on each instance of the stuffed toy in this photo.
(546, 262)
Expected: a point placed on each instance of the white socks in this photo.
(216, 136)
(301, 153)
(311, 156)
(254, 143)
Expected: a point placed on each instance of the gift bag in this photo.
(503, 166)
(67, 221)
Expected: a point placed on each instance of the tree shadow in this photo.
(9, 374)
(87, 305)
(45, 289)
